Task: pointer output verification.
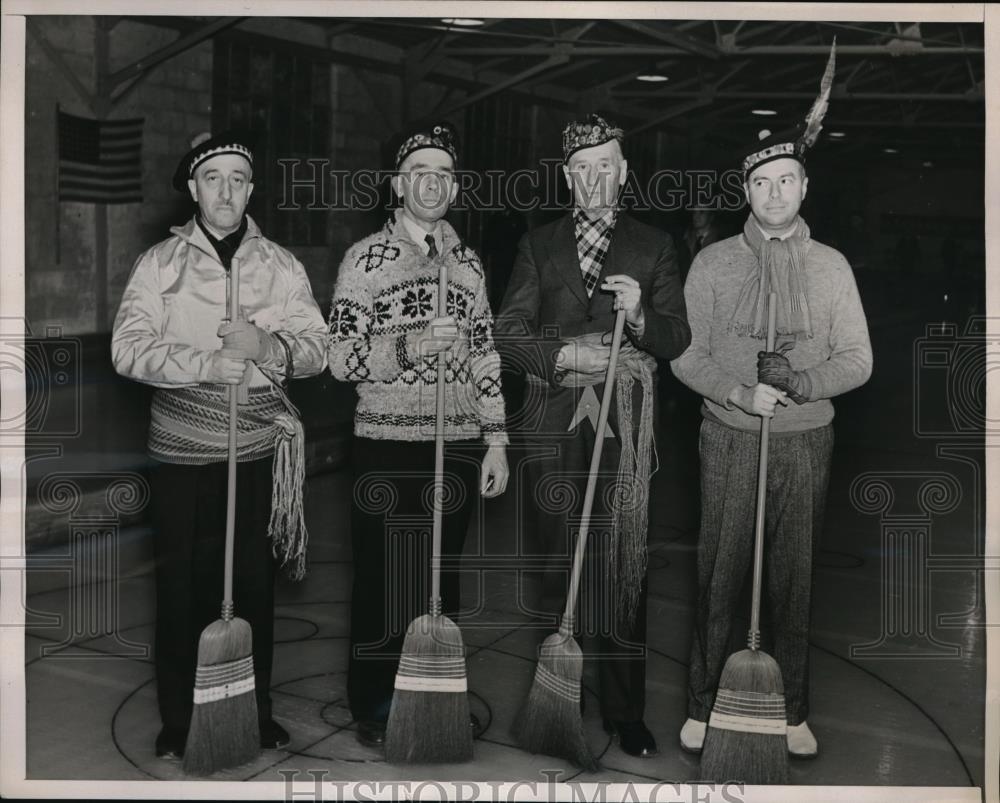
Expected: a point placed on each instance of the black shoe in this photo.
(371, 733)
(633, 737)
(273, 736)
(170, 743)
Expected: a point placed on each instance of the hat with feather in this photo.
(792, 143)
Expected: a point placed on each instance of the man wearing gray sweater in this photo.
(822, 351)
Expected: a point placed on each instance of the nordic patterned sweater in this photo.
(838, 357)
(387, 292)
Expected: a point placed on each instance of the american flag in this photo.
(100, 161)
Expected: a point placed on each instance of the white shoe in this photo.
(801, 742)
(693, 736)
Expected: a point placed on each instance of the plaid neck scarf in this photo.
(592, 240)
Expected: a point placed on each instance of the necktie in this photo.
(432, 249)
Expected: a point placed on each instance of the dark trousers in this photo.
(391, 524)
(556, 471)
(797, 479)
(189, 525)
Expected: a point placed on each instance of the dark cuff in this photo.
(289, 361)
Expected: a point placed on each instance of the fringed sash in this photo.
(635, 469)
(190, 426)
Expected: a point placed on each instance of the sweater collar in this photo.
(396, 231)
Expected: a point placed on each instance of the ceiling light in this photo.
(463, 22)
(838, 134)
(763, 112)
(928, 164)
(652, 78)
(889, 150)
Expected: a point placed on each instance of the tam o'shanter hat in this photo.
(440, 135)
(792, 143)
(595, 130)
(238, 141)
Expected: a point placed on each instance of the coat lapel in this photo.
(563, 253)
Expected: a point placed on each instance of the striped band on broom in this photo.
(550, 721)
(746, 736)
(429, 717)
(224, 729)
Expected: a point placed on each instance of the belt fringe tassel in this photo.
(631, 509)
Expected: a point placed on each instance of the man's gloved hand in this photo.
(774, 369)
(250, 341)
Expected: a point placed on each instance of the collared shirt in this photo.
(419, 235)
(771, 236)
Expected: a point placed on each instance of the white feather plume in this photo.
(814, 120)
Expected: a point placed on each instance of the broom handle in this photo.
(595, 461)
(439, 452)
(227, 601)
(758, 547)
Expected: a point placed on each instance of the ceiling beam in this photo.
(691, 44)
(185, 42)
(705, 97)
(508, 83)
(653, 51)
(834, 125)
(966, 97)
(900, 35)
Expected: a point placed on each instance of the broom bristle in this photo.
(550, 721)
(224, 728)
(746, 737)
(429, 718)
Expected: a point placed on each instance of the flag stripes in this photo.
(100, 161)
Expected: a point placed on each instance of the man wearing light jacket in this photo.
(172, 332)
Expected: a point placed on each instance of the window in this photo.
(285, 98)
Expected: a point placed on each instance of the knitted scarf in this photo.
(780, 270)
(190, 426)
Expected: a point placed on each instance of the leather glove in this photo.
(774, 369)
(250, 341)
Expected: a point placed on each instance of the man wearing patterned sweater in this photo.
(167, 334)
(386, 336)
(822, 351)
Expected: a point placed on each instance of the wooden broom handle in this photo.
(595, 461)
(234, 310)
(439, 451)
(758, 546)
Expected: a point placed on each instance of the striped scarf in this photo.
(190, 426)
(781, 271)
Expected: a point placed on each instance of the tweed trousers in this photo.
(797, 479)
